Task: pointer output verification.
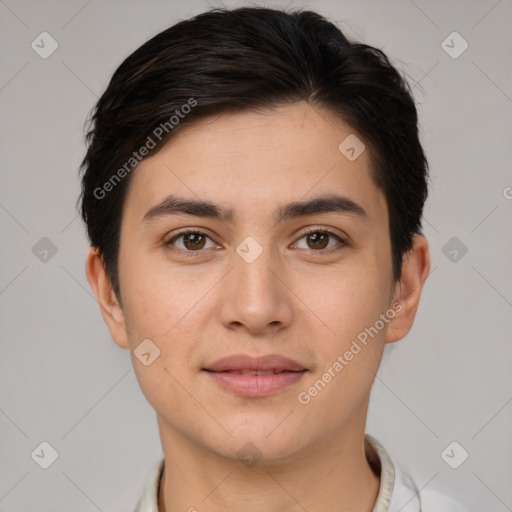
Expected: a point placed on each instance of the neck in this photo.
(334, 469)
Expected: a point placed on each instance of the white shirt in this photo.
(397, 490)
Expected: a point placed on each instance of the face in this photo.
(261, 272)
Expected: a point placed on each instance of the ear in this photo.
(415, 269)
(105, 296)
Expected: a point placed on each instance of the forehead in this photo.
(251, 162)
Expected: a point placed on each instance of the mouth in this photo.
(248, 376)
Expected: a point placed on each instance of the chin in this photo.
(267, 435)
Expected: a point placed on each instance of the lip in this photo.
(227, 372)
(247, 362)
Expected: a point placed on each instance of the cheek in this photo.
(158, 312)
(351, 348)
(154, 298)
(169, 308)
(348, 359)
(354, 300)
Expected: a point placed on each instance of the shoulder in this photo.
(399, 492)
(435, 501)
(408, 497)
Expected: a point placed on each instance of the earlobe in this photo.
(109, 305)
(415, 269)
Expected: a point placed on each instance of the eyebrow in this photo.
(174, 205)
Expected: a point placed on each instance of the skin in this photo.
(290, 301)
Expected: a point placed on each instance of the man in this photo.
(253, 191)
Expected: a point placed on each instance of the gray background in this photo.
(62, 379)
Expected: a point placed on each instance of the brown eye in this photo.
(322, 241)
(191, 241)
(317, 240)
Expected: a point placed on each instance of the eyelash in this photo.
(188, 253)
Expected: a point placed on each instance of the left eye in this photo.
(319, 240)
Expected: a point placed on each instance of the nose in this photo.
(256, 296)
